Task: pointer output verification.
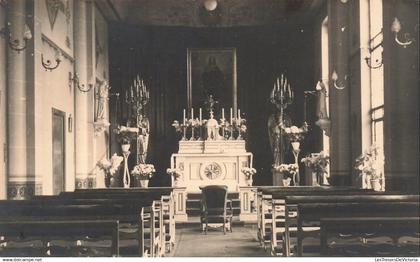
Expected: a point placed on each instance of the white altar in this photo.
(211, 162)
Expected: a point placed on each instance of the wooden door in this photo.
(58, 150)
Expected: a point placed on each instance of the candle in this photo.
(200, 114)
(192, 113)
(239, 114)
(231, 116)
(223, 113)
(278, 83)
(184, 117)
(290, 91)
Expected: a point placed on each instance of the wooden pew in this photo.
(266, 194)
(47, 230)
(165, 194)
(392, 227)
(314, 212)
(70, 210)
(286, 208)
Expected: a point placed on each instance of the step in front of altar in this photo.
(212, 147)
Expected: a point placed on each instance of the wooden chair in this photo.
(215, 208)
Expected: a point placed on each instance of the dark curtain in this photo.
(159, 56)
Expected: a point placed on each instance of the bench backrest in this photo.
(324, 210)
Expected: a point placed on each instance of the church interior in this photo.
(244, 128)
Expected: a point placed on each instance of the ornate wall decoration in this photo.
(23, 190)
(212, 171)
(53, 6)
(84, 183)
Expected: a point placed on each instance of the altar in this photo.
(211, 162)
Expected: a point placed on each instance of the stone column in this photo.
(340, 151)
(81, 98)
(18, 186)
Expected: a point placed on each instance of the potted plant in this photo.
(289, 172)
(175, 174)
(249, 172)
(142, 173)
(368, 166)
(318, 164)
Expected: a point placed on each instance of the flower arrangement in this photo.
(176, 173)
(177, 126)
(287, 169)
(125, 134)
(110, 166)
(248, 171)
(317, 162)
(143, 171)
(294, 133)
(369, 163)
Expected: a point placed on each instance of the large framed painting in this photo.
(212, 72)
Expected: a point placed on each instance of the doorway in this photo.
(58, 150)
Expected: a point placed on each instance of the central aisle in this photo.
(242, 242)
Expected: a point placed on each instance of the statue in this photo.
(212, 125)
(212, 128)
(279, 144)
(102, 97)
(142, 138)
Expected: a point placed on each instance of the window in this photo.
(324, 77)
(372, 75)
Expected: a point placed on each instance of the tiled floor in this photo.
(242, 242)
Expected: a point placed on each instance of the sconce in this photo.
(16, 43)
(378, 63)
(47, 64)
(75, 80)
(70, 123)
(396, 28)
(375, 44)
(334, 79)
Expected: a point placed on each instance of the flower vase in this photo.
(125, 147)
(295, 146)
(286, 182)
(249, 181)
(144, 183)
(375, 184)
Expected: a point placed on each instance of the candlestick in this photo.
(184, 117)
(223, 113)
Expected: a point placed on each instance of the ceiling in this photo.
(229, 13)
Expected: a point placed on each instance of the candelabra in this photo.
(137, 97)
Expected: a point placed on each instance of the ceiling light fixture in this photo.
(210, 5)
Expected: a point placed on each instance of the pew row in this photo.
(48, 230)
(311, 214)
(393, 228)
(129, 214)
